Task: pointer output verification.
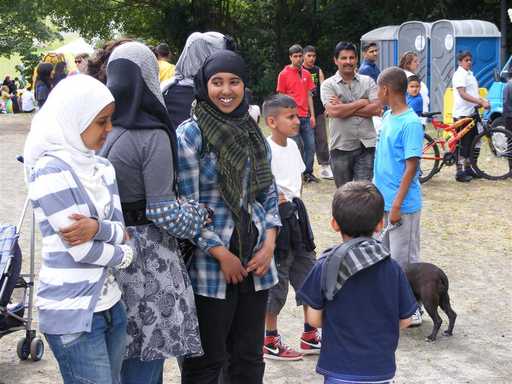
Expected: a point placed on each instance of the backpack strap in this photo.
(332, 264)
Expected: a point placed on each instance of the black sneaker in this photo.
(463, 177)
(471, 172)
(310, 178)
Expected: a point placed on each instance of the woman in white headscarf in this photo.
(179, 91)
(76, 204)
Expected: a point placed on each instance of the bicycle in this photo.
(491, 149)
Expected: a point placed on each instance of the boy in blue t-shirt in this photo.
(362, 301)
(413, 97)
(396, 170)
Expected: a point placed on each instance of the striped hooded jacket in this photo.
(71, 277)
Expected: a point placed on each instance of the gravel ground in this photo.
(466, 230)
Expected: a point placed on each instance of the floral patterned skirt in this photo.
(162, 319)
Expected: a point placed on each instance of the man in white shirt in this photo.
(28, 103)
(466, 98)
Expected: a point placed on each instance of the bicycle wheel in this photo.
(429, 163)
(491, 154)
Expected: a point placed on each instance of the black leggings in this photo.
(464, 145)
(232, 327)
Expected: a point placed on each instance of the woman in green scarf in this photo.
(224, 163)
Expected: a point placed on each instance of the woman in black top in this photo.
(43, 83)
(59, 73)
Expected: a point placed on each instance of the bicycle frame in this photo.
(455, 136)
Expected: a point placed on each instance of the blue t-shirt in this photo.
(369, 68)
(360, 327)
(416, 103)
(400, 138)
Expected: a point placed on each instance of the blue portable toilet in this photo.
(414, 36)
(448, 38)
(385, 38)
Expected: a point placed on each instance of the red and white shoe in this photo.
(275, 349)
(311, 342)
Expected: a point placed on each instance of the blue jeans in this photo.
(96, 356)
(135, 371)
(306, 142)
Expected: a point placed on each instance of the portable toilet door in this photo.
(385, 38)
(448, 38)
(415, 36)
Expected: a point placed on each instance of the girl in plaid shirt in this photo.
(224, 163)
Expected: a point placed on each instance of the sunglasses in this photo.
(78, 61)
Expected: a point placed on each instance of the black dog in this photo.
(430, 286)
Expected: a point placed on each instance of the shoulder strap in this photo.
(332, 264)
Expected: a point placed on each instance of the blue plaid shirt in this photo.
(198, 181)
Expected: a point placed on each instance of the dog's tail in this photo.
(444, 281)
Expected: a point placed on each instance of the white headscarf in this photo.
(69, 110)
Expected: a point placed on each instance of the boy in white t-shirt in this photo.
(28, 102)
(294, 254)
(466, 97)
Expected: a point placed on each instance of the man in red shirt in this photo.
(296, 82)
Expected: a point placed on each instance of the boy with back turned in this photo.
(357, 293)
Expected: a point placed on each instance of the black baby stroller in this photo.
(18, 316)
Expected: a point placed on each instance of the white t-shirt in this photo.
(287, 167)
(28, 103)
(463, 78)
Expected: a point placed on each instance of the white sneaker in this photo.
(325, 172)
(416, 319)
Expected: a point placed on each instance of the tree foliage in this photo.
(24, 29)
(264, 29)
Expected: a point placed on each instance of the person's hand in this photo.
(484, 104)
(334, 100)
(394, 215)
(363, 102)
(312, 122)
(81, 231)
(260, 262)
(231, 268)
(282, 198)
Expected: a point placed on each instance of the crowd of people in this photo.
(173, 228)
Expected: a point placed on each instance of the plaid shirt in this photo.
(198, 181)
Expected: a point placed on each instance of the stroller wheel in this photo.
(23, 349)
(36, 349)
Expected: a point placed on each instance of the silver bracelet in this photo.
(127, 256)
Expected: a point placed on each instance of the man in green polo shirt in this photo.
(350, 100)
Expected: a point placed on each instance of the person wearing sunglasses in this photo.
(81, 61)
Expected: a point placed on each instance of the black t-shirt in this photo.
(315, 74)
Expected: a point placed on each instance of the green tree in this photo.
(264, 29)
(24, 30)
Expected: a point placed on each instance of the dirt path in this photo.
(466, 230)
